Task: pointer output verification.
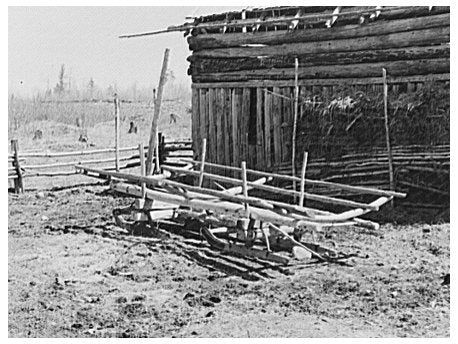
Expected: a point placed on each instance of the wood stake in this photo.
(18, 182)
(153, 139)
(158, 152)
(245, 187)
(202, 165)
(304, 165)
(141, 150)
(116, 104)
(296, 109)
(387, 132)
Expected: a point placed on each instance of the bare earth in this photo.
(72, 273)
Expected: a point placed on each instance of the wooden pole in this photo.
(361, 189)
(202, 162)
(116, 105)
(304, 165)
(322, 17)
(157, 151)
(153, 139)
(141, 151)
(296, 108)
(18, 182)
(245, 187)
(387, 132)
(273, 189)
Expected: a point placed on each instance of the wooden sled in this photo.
(236, 223)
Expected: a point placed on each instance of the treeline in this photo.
(91, 91)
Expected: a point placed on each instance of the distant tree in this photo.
(60, 86)
(110, 91)
(90, 88)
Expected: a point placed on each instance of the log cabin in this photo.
(265, 80)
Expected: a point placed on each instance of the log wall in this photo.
(243, 81)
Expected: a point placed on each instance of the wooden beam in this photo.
(425, 188)
(399, 11)
(361, 70)
(309, 181)
(321, 81)
(226, 208)
(73, 163)
(431, 36)
(75, 153)
(377, 28)
(153, 141)
(275, 190)
(148, 180)
(201, 65)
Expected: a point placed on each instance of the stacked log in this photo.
(415, 45)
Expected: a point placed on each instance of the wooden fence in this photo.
(22, 165)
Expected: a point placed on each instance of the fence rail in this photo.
(20, 167)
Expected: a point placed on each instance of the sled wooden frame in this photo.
(235, 204)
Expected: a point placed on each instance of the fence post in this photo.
(304, 166)
(153, 139)
(202, 161)
(158, 152)
(141, 152)
(387, 132)
(116, 104)
(296, 110)
(18, 182)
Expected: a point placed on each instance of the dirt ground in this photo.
(73, 273)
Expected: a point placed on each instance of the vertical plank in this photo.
(239, 96)
(283, 129)
(267, 127)
(217, 121)
(227, 125)
(289, 120)
(234, 118)
(260, 158)
(196, 132)
(245, 116)
(276, 116)
(221, 126)
(211, 126)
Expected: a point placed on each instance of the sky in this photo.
(85, 39)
